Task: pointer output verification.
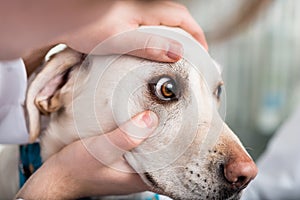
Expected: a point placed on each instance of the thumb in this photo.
(134, 132)
(109, 148)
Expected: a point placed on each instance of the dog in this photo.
(192, 154)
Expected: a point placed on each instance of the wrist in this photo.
(51, 181)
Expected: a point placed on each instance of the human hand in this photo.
(82, 25)
(76, 171)
(129, 15)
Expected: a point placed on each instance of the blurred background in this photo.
(260, 56)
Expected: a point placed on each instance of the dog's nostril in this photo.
(239, 173)
(242, 179)
(241, 183)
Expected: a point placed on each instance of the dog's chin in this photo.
(236, 196)
(186, 196)
(155, 187)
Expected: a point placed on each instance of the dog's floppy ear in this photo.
(43, 94)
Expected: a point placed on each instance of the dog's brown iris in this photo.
(165, 89)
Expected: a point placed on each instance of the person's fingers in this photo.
(168, 15)
(159, 49)
(122, 38)
(109, 148)
(194, 29)
(135, 131)
(143, 45)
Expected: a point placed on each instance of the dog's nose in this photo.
(240, 172)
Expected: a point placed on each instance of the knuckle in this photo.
(177, 5)
(154, 46)
(182, 7)
(154, 52)
(130, 142)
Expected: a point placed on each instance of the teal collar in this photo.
(30, 161)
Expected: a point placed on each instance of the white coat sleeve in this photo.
(279, 166)
(13, 83)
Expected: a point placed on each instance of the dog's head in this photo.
(192, 154)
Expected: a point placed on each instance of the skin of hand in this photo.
(74, 172)
(129, 15)
(83, 25)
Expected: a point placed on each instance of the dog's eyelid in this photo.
(156, 78)
(218, 90)
(219, 84)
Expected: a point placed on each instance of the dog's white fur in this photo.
(184, 156)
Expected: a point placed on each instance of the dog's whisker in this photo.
(249, 148)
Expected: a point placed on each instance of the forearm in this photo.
(49, 182)
(37, 23)
(73, 173)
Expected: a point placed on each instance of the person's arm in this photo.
(84, 24)
(74, 172)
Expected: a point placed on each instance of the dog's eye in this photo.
(218, 91)
(165, 89)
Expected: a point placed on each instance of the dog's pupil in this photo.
(167, 89)
(219, 91)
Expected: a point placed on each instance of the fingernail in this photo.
(141, 126)
(175, 51)
(147, 119)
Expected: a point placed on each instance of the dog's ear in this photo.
(44, 92)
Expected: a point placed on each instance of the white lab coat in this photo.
(13, 83)
(279, 166)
